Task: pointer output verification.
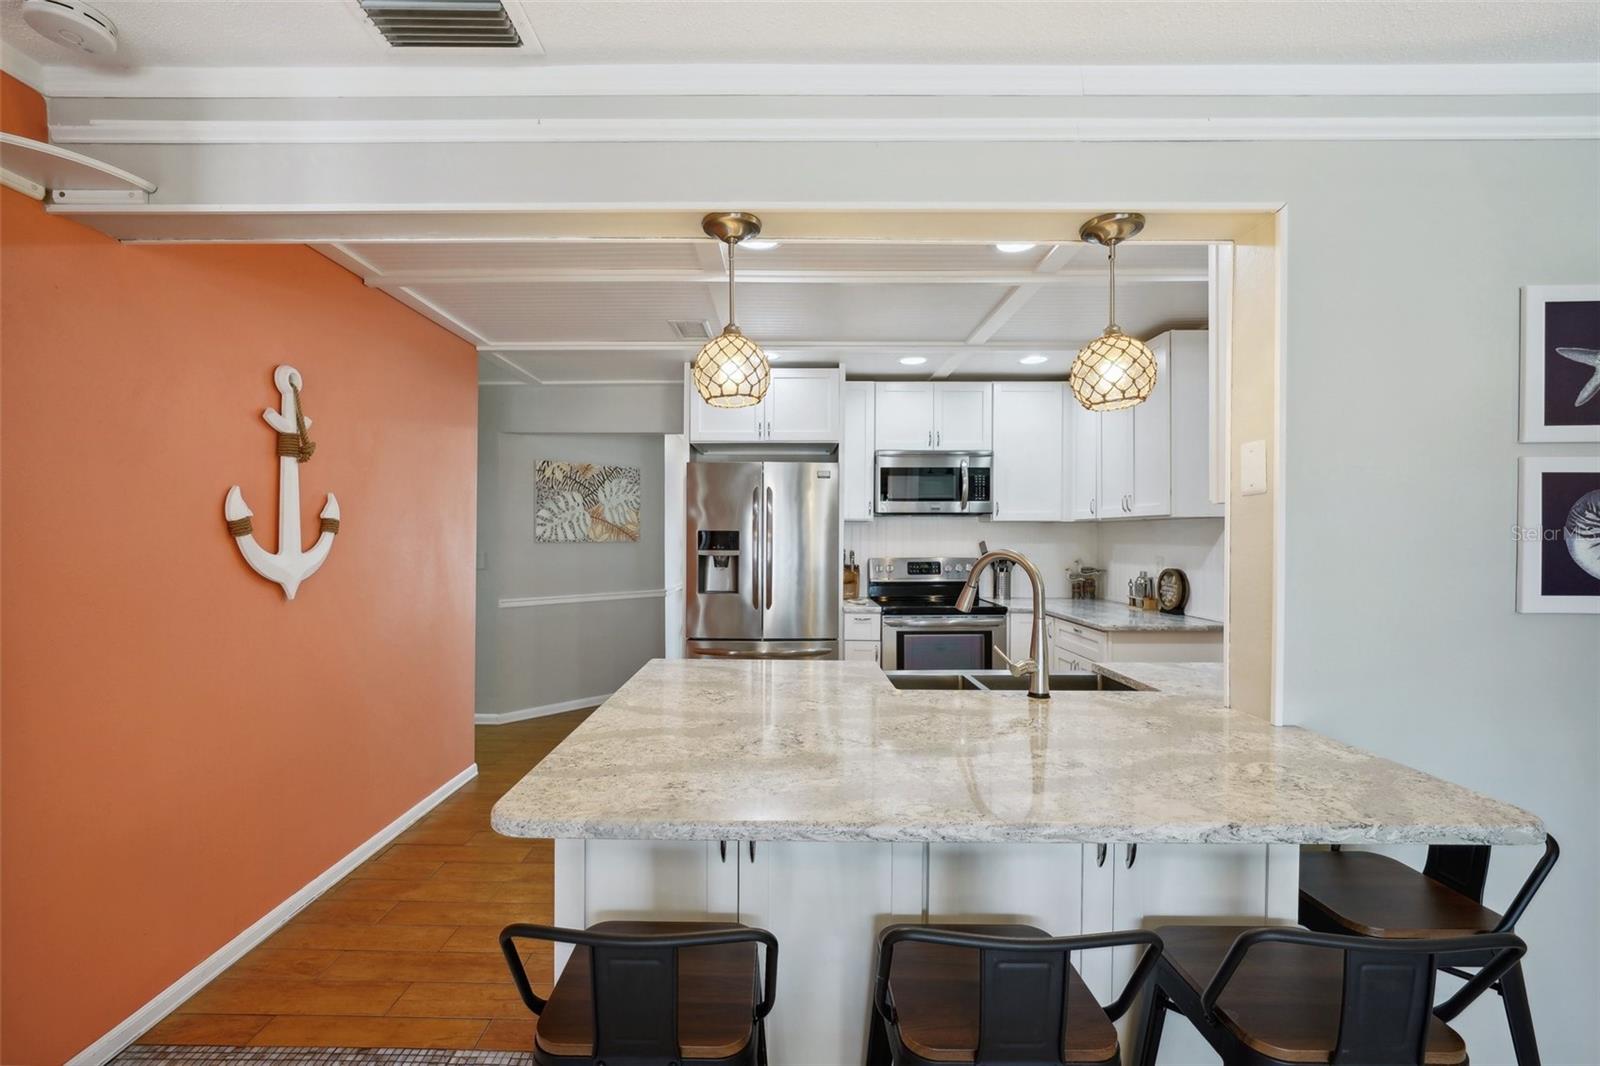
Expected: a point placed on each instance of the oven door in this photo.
(932, 483)
(942, 642)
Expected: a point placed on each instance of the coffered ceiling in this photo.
(604, 310)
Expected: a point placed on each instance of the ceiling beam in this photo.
(785, 346)
(713, 258)
(718, 277)
(1050, 267)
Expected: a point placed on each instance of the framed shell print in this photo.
(1558, 535)
(1560, 363)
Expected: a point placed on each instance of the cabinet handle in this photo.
(1133, 853)
(753, 851)
(938, 437)
(722, 849)
(1099, 854)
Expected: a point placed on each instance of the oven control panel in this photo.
(925, 569)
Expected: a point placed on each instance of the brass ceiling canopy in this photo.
(1113, 371)
(731, 370)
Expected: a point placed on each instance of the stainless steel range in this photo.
(922, 630)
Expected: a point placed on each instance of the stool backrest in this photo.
(1387, 1003)
(1022, 985)
(634, 983)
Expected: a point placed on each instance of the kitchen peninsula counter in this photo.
(829, 751)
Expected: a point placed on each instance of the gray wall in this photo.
(554, 653)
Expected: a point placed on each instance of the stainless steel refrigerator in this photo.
(763, 561)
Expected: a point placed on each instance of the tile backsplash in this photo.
(1123, 548)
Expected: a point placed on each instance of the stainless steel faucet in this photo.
(1039, 674)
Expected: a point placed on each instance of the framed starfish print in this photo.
(1560, 363)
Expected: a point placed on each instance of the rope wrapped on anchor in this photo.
(296, 445)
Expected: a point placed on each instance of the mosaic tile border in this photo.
(218, 1055)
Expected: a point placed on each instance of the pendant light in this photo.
(1114, 370)
(731, 370)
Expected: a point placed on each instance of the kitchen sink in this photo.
(999, 681)
(1086, 682)
(941, 680)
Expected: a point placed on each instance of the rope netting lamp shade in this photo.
(731, 370)
(1114, 370)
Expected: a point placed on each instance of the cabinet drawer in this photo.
(860, 627)
(1075, 641)
(861, 651)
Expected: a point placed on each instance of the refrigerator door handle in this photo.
(768, 553)
(755, 533)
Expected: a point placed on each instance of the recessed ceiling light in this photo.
(913, 360)
(758, 245)
(1033, 360)
(1013, 247)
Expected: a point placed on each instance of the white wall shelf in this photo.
(35, 168)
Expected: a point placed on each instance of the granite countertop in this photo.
(862, 606)
(1113, 617)
(784, 750)
(1201, 681)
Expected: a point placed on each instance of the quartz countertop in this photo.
(787, 750)
(1114, 617)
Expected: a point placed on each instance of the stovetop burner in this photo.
(891, 605)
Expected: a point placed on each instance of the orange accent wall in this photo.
(181, 749)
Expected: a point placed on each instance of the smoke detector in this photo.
(72, 23)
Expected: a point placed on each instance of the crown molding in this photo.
(767, 79)
(22, 66)
(831, 129)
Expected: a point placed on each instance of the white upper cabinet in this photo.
(1028, 452)
(802, 405)
(1197, 425)
(962, 413)
(941, 415)
(1151, 491)
(1133, 449)
(855, 451)
(904, 416)
(1083, 460)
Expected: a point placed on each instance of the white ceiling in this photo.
(601, 311)
(304, 33)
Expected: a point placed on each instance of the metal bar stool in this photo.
(1366, 894)
(656, 993)
(1290, 995)
(994, 994)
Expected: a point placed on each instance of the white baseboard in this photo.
(102, 1050)
(506, 717)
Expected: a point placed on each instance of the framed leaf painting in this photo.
(585, 503)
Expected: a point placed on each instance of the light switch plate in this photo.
(1253, 468)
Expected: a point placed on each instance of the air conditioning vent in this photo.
(443, 23)
(692, 331)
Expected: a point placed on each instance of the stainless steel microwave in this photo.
(933, 483)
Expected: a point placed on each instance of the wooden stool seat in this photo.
(717, 995)
(1284, 1000)
(935, 991)
(1366, 894)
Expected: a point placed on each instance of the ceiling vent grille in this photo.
(691, 331)
(443, 23)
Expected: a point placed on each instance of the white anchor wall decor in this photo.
(289, 565)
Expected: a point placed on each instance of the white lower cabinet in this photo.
(862, 651)
(1161, 884)
(825, 902)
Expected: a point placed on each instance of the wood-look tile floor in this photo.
(403, 952)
